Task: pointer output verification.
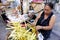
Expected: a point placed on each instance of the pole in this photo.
(21, 7)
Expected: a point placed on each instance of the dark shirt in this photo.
(44, 22)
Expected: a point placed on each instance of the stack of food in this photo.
(20, 33)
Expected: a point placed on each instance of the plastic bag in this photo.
(40, 36)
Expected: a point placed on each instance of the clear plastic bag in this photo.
(40, 36)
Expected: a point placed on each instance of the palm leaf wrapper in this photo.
(20, 33)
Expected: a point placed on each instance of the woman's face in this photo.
(47, 9)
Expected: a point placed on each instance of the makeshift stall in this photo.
(27, 32)
(18, 28)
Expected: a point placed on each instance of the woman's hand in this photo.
(38, 27)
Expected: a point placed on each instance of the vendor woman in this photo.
(45, 21)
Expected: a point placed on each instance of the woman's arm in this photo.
(51, 23)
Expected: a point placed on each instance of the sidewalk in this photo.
(56, 28)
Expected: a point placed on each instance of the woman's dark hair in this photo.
(0, 1)
(50, 5)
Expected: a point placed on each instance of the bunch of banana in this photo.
(20, 33)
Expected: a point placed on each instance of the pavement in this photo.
(3, 31)
(55, 35)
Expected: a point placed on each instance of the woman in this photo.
(45, 21)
